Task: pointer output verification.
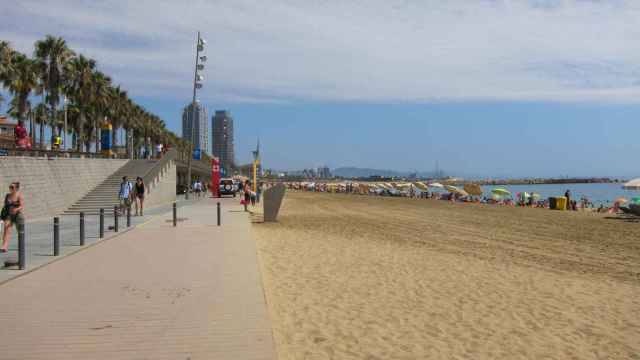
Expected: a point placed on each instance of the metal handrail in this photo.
(8, 151)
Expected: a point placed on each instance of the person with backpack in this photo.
(125, 194)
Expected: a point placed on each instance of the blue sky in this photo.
(489, 88)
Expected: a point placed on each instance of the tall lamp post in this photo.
(197, 84)
(64, 139)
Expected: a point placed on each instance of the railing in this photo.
(56, 153)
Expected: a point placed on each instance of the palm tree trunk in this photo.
(42, 135)
(79, 132)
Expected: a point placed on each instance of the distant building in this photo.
(222, 138)
(323, 172)
(196, 131)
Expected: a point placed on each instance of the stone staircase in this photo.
(105, 195)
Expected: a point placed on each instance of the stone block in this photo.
(272, 200)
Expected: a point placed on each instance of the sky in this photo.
(486, 88)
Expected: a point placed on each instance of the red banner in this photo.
(215, 177)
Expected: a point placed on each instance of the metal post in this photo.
(64, 141)
(128, 217)
(175, 215)
(193, 117)
(218, 213)
(81, 229)
(101, 223)
(115, 219)
(56, 236)
(22, 258)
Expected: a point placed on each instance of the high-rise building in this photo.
(222, 138)
(199, 134)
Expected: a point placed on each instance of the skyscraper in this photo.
(200, 133)
(222, 138)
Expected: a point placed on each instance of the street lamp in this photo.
(64, 139)
(197, 78)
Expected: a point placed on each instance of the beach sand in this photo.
(358, 277)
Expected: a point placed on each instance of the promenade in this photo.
(154, 292)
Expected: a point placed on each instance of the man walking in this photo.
(124, 195)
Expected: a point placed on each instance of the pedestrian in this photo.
(567, 194)
(247, 194)
(139, 196)
(21, 136)
(125, 194)
(259, 191)
(11, 213)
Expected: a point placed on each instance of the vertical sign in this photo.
(106, 139)
(215, 177)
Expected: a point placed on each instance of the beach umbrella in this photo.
(436, 185)
(421, 186)
(621, 200)
(453, 189)
(632, 185)
(635, 200)
(501, 192)
(473, 189)
(535, 196)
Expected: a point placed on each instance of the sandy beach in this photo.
(358, 277)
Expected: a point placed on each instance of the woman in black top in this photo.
(11, 213)
(139, 195)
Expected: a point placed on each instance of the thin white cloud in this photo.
(377, 51)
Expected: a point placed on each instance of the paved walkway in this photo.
(155, 292)
(39, 236)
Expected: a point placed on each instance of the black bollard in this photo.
(101, 223)
(128, 217)
(22, 258)
(56, 236)
(115, 219)
(81, 229)
(175, 215)
(218, 213)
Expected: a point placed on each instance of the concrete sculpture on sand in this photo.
(272, 201)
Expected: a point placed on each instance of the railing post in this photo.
(56, 236)
(22, 258)
(218, 213)
(115, 219)
(175, 215)
(81, 228)
(128, 217)
(101, 223)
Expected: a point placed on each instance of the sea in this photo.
(598, 194)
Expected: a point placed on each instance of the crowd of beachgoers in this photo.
(468, 193)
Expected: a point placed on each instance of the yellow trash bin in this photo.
(561, 203)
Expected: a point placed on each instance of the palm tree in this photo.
(117, 111)
(101, 100)
(40, 118)
(78, 85)
(20, 82)
(53, 56)
(6, 56)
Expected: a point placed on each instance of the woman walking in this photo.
(247, 194)
(11, 213)
(139, 194)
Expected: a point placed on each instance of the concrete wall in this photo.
(163, 190)
(52, 185)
